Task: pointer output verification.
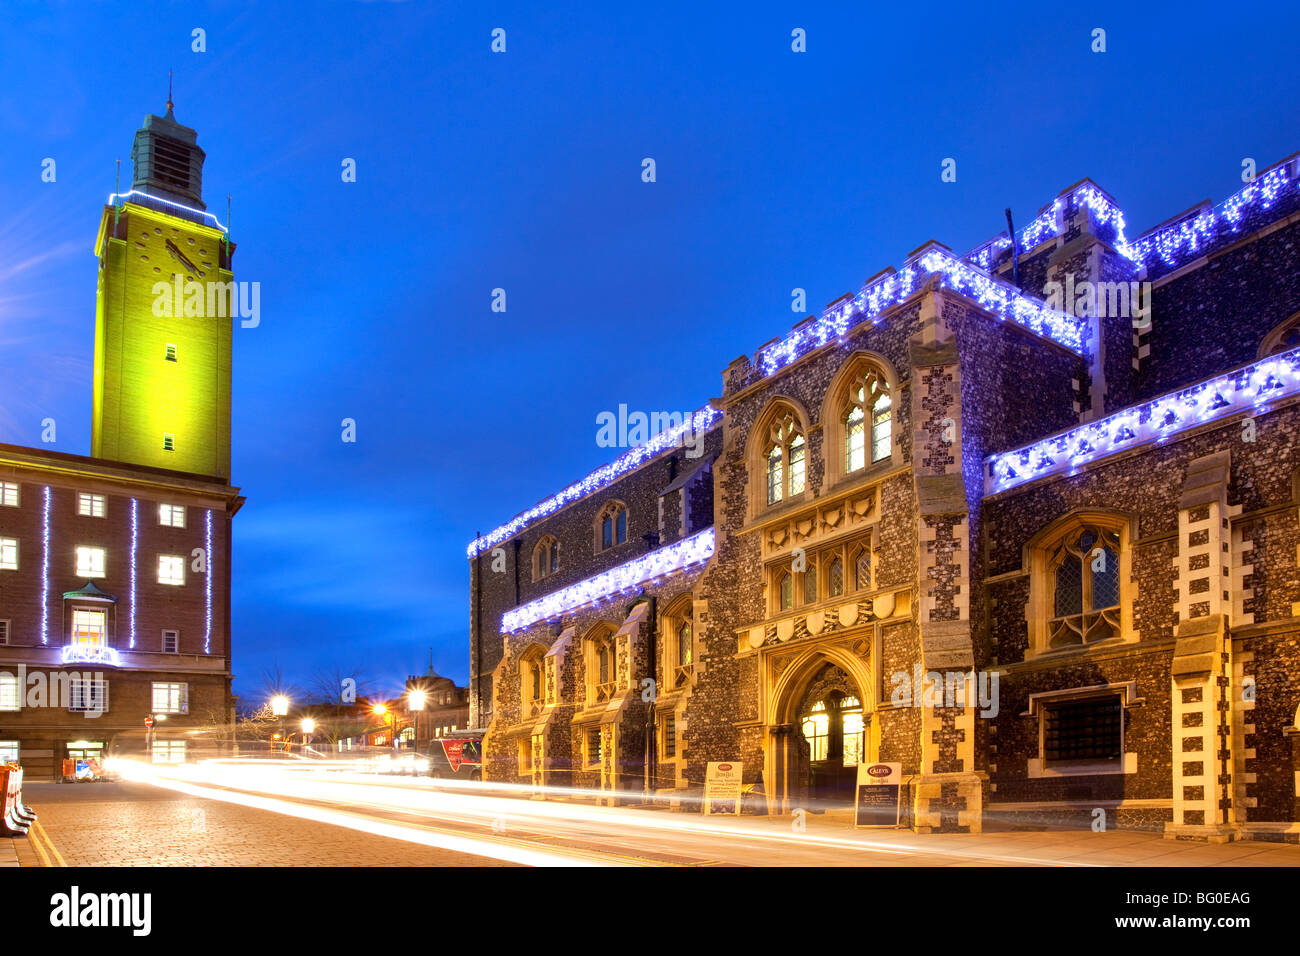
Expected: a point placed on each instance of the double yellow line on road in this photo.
(41, 843)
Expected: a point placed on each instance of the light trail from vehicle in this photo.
(615, 834)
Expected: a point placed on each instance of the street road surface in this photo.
(268, 814)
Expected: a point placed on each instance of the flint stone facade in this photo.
(1149, 681)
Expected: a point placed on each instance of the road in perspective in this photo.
(246, 813)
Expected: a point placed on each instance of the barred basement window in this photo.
(670, 736)
(88, 696)
(1086, 583)
(1085, 730)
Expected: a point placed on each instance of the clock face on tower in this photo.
(180, 257)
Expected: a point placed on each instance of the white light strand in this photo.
(1220, 397)
(134, 540)
(45, 571)
(207, 567)
(113, 197)
(699, 422)
(995, 295)
(660, 563)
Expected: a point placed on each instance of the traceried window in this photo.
(785, 591)
(1283, 338)
(835, 577)
(816, 730)
(90, 562)
(532, 682)
(1085, 587)
(546, 557)
(867, 421)
(685, 653)
(611, 525)
(810, 583)
(786, 458)
(601, 677)
(861, 568)
(593, 746)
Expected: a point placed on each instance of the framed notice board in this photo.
(878, 798)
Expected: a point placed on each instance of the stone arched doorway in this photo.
(819, 731)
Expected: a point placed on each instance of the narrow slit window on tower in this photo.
(170, 353)
(169, 441)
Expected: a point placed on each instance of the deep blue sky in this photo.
(522, 171)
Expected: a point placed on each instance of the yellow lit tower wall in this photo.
(162, 383)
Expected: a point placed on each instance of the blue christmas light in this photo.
(699, 422)
(134, 540)
(126, 197)
(654, 566)
(45, 571)
(207, 584)
(1220, 397)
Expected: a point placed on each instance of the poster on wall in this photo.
(722, 787)
(878, 801)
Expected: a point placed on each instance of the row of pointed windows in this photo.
(866, 420)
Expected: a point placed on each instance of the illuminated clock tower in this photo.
(162, 370)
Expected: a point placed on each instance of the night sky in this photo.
(522, 171)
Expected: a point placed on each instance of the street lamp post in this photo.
(280, 708)
(415, 701)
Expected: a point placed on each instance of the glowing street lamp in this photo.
(308, 726)
(415, 701)
(280, 708)
(382, 711)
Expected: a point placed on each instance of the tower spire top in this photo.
(170, 104)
